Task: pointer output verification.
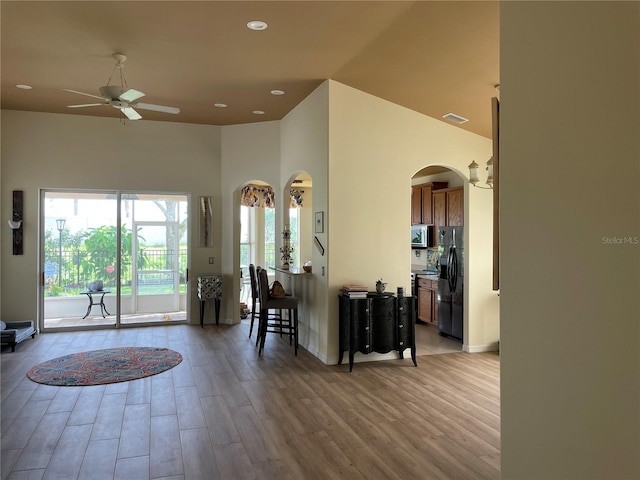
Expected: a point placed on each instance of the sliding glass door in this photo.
(110, 258)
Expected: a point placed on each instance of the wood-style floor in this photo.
(225, 413)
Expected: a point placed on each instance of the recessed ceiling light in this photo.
(454, 118)
(258, 112)
(24, 87)
(257, 25)
(277, 92)
(220, 105)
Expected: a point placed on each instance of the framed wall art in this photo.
(205, 217)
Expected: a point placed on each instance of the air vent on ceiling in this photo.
(455, 118)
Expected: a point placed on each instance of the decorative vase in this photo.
(380, 286)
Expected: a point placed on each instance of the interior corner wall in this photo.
(570, 228)
(249, 152)
(41, 150)
(305, 147)
(375, 147)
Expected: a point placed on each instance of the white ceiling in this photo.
(431, 57)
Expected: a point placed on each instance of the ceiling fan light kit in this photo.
(122, 97)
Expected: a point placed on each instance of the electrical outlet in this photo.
(211, 260)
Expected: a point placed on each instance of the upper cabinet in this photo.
(421, 202)
(439, 201)
(448, 207)
(455, 207)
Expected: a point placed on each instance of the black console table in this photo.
(379, 323)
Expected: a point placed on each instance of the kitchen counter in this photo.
(424, 274)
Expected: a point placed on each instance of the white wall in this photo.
(305, 148)
(570, 177)
(249, 152)
(70, 151)
(375, 147)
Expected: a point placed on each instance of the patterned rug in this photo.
(99, 367)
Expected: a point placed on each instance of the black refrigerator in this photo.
(451, 282)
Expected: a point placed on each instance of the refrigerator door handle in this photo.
(449, 268)
(454, 269)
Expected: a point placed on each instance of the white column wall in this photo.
(570, 217)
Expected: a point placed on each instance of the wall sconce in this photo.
(473, 174)
(16, 222)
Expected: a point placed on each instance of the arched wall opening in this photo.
(255, 238)
(298, 217)
(438, 201)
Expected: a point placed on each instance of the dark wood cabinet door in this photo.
(416, 205)
(455, 207)
(405, 324)
(427, 213)
(360, 326)
(424, 304)
(383, 323)
(434, 306)
(439, 200)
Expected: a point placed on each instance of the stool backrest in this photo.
(254, 281)
(263, 287)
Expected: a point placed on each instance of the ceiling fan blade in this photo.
(87, 105)
(82, 93)
(158, 108)
(131, 113)
(130, 95)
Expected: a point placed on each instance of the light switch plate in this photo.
(210, 260)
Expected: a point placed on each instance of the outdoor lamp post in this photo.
(60, 224)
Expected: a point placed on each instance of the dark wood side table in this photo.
(210, 288)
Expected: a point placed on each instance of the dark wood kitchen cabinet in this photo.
(455, 207)
(421, 202)
(379, 323)
(448, 208)
(428, 300)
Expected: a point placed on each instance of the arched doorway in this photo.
(437, 201)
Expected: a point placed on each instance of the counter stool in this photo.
(277, 324)
(254, 294)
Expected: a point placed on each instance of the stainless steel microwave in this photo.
(421, 236)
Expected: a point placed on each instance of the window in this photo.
(294, 226)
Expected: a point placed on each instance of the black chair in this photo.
(254, 294)
(276, 324)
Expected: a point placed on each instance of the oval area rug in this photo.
(109, 365)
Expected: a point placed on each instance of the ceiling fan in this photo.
(122, 97)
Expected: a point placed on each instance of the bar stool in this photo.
(277, 324)
(254, 295)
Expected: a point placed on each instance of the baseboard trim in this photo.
(488, 347)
